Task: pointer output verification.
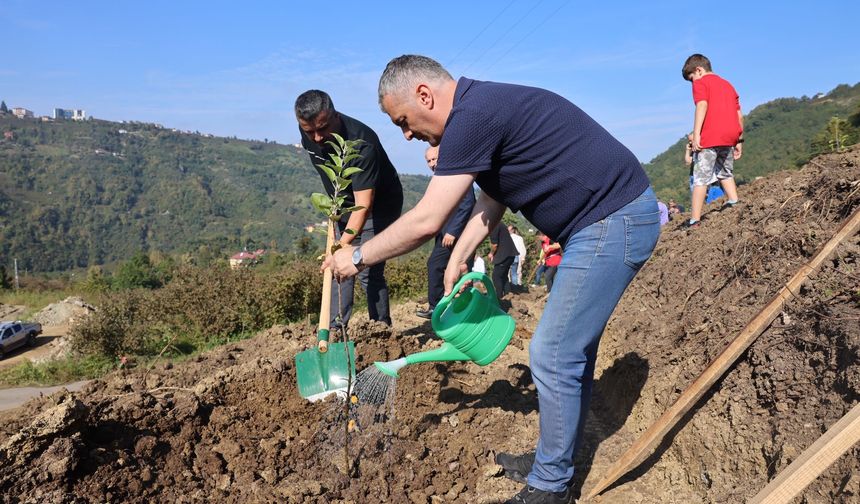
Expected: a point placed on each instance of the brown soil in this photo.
(229, 426)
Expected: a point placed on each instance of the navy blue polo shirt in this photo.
(537, 153)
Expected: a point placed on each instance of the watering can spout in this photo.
(472, 324)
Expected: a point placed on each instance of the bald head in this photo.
(431, 155)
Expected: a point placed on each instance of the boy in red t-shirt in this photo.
(717, 133)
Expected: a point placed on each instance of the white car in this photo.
(16, 334)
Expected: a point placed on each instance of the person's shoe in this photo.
(691, 224)
(729, 205)
(531, 495)
(424, 313)
(517, 467)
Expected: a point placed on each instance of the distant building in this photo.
(21, 112)
(70, 114)
(244, 259)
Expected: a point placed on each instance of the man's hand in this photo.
(738, 152)
(697, 142)
(453, 272)
(341, 263)
(448, 240)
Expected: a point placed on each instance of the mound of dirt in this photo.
(229, 425)
(11, 312)
(63, 312)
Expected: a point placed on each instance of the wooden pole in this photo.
(813, 461)
(646, 443)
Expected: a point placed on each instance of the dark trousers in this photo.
(436, 264)
(550, 276)
(500, 275)
(372, 281)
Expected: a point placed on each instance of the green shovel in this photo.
(328, 368)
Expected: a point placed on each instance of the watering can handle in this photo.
(472, 275)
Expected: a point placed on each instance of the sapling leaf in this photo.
(352, 209)
(350, 231)
(350, 171)
(328, 173)
(322, 202)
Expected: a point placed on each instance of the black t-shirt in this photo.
(505, 246)
(378, 172)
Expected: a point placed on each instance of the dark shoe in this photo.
(728, 205)
(531, 495)
(424, 313)
(517, 467)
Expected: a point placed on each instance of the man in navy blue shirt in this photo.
(445, 240)
(535, 152)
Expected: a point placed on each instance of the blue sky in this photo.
(231, 69)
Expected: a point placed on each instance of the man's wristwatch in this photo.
(357, 260)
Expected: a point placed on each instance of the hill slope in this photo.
(778, 136)
(77, 194)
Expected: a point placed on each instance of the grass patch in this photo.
(33, 300)
(56, 372)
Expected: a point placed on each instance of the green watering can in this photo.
(472, 324)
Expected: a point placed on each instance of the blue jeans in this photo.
(514, 266)
(598, 263)
(540, 271)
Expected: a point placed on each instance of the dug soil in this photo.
(229, 425)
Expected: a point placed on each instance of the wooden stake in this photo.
(646, 443)
(813, 461)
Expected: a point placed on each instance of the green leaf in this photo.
(352, 209)
(322, 202)
(350, 157)
(350, 231)
(328, 173)
(351, 171)
(338, 162)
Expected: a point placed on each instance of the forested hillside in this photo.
(77, 194)
(780, 134)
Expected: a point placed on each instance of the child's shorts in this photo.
(712, 164)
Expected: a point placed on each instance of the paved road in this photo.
(14, 397)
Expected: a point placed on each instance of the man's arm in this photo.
(412, 229)
(485, 217)
(363, 198)
(698, 121)
(458, 221)
(739, 147)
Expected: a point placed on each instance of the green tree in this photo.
(137, 272)
(5, 279)
(3, 108)
(836, 136)
(96, 281)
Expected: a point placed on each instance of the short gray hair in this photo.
(310, 103)
(405, 71)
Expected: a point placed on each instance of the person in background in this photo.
(445, 240)
(718, 128)
(552, 259)
(520, 258)
(664, 213)
(502, 253)
(479, 266)
(376, 188)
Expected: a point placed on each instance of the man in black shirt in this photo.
(376, 188)
(502, 253)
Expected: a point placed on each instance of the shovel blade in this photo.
(320, 374)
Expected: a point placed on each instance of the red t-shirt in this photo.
(551, 257)
(722, 126)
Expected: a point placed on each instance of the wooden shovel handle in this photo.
(325, 302)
